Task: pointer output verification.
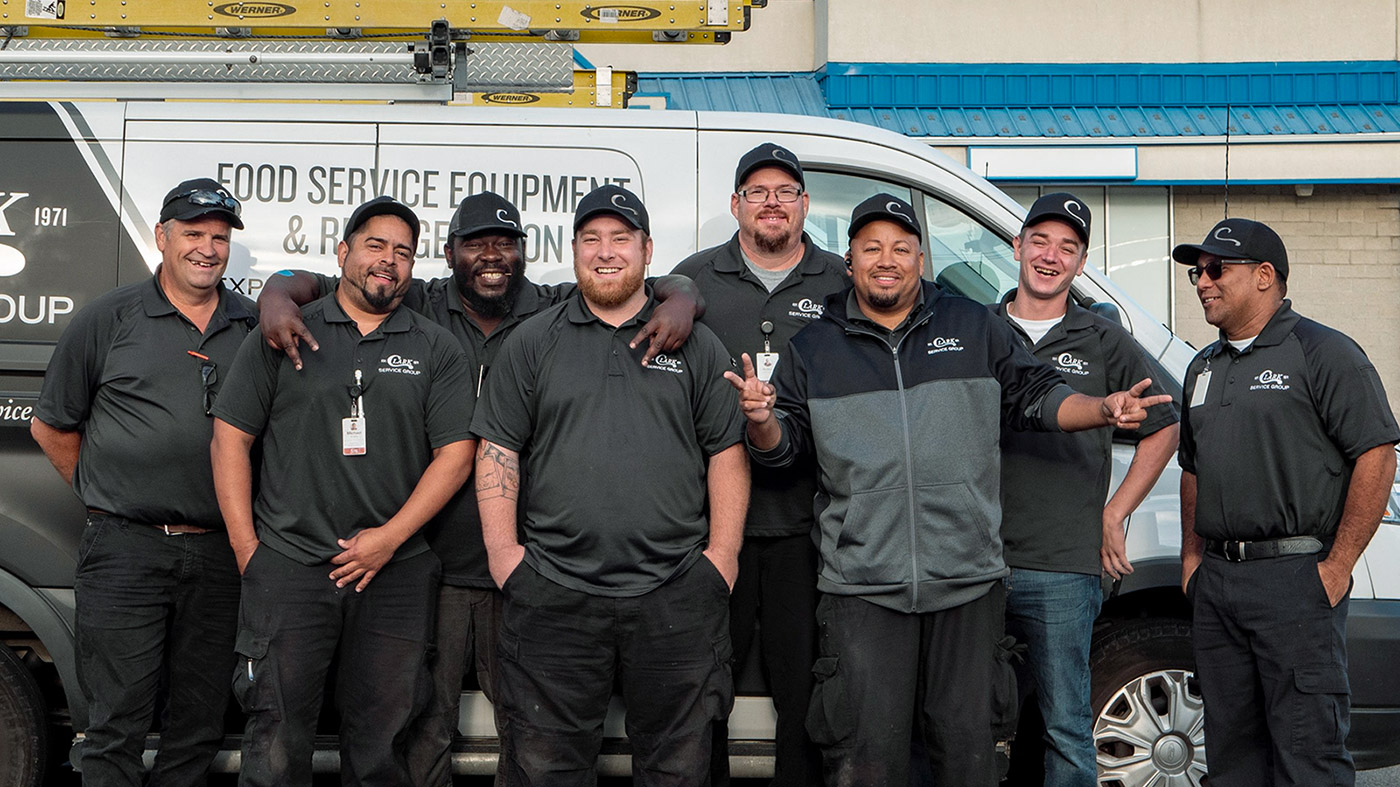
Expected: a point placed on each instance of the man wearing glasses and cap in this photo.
(900, 391)
(635, 490)
(360, 447)
(124, 416)
(1287, 460)
(485, 299)
(762, 287)
(1058, 534)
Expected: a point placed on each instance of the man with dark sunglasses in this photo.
(1287, 459)
(124, 417)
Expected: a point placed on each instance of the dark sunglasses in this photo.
(208, 375)
(1214, 268)
(209, 199)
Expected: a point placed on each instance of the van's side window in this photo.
(963, 256)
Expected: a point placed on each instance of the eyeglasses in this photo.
(208, 375)
(209, 199)
(759, 195)
(1214, 269)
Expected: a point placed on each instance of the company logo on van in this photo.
(255, 10)
(620, 13)
(510, 98)
(11, 259)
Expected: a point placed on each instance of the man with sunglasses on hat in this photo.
(763, 286)
(1287, 460)
(124, 416)
(1058, 543)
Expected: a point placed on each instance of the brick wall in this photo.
(1343, 255)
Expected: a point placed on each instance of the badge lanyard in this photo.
(352, 429)
(1198, 394)
(767, 360)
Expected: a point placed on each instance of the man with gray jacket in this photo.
(900, 391)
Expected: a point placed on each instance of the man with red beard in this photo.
(635, 495)
(359, 449)
(487, 297)
(762, 287)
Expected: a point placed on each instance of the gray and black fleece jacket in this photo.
(905, 427)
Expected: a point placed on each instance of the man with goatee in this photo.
(360, 447)
(635, 495)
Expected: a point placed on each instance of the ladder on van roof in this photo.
(516, 52)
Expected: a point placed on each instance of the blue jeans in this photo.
(1053, 613)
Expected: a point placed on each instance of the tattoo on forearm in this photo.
(497, 473)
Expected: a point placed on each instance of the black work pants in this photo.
(468, 624)
(1272, 664)
(777, 589)
(153, 608)
(561, 650)
(879, 672)
(293, 621)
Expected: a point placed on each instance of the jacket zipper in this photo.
(908, 448)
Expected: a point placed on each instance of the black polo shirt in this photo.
(124, 375)
(1281, 425)
(1054, 484)
(417, 397)
(736, 304)
(615, 488)
(455, 533)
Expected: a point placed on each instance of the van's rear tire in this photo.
(23, 732)
(1149, 721)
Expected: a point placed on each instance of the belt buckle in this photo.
(1237, 554)
(169, 532)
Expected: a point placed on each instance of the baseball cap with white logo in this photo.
(1061, 206)
(885, 207)
(1238, 239)
(768, 155)
(615, 200)
(486, 212)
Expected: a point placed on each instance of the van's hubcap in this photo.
(1152, 732)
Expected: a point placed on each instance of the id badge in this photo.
(764, 365)
(352, 436)
(1198, 394)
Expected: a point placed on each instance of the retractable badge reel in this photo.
(352, 429)
(767, 360)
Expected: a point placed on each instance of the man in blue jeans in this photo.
(1056, 530)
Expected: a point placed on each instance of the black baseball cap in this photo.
(1238, 239)
(486, 212)
(885, 207)
(382, 206)
(201, 197)
(1061, 206)
(768, 155)
(615, 200)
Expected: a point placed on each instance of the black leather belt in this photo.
(1236, 551)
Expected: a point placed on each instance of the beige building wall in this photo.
(1343, 257)
(1109, 31)
(802, 35)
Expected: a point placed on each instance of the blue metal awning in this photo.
(1043, 102)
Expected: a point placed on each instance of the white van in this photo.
(80, 187)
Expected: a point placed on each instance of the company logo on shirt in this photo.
(1067, 363)
(397, 364)
(1270, 380)
(807, 309)
(945, 344)
(665, 363)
